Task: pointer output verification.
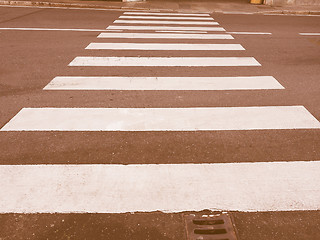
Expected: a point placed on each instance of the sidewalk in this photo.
(230, 6)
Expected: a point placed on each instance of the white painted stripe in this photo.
(250, 33)
(115, 30)
(245, 13)
(165, 28)
(164, 46)
(161, 35)
(61, 29)
(169, 14)
(165, 18)
(108, 188)
(165, 22)
(182, 31)
(164, 83)
(162, 119)
(165, 61)
(310, 34)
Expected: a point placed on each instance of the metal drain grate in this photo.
(216, 226)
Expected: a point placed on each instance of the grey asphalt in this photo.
(29, 60)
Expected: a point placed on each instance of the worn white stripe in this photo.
(245, 13)
(165, 18)
(163, 83)
(165, 28)
(250, 33)
(169, 14)
(108, 188)
(61, 29)
(310, 34)
(165, 22)
(165, 35)
(181, 31)
(162, 119)
(164, 46)
(165, 61)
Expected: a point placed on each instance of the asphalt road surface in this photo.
(108, 119)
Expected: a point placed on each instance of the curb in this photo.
(293, 12)
(71, 5)
(50, 4)
(124, 8)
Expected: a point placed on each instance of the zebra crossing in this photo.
(125, 188)
(187, 35)
(166, 187)
(163, 83)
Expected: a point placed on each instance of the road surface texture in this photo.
(113, 124)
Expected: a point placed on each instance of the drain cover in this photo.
(215, 226)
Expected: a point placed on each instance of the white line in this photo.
(251, 33)
(245, 13)
(165, 61)
(181, 31)
(164, 83)
(108, 188)
(310, 34)
(112, 30)
(164, 14)
(165, 22)
(162, 119)
(165, 28)
(60, 29)
(165, 46)
(161, 35)
(165, 18)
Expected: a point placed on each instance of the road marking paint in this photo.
(165, 61)
(164, 46)
(115, 30)
(171, 14)
(310, 34)
(181, 31)
(165, 18)
(62, 29)
(165, 28)
(163, 83)
(251, 33)
(111, 188)
(162, 119)
(243, 13)
(161, 35)
(165, 22)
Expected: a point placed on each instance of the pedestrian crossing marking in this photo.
(164, 46)
(250, 33)
(164, 61)
(164, 36)
(165, 22)
(132, 27)
(169, 14)
(162, 119)
(165, 18)
(111, 188)
(163, 83)
(181, 31)
(164, 187)
(309, 34)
